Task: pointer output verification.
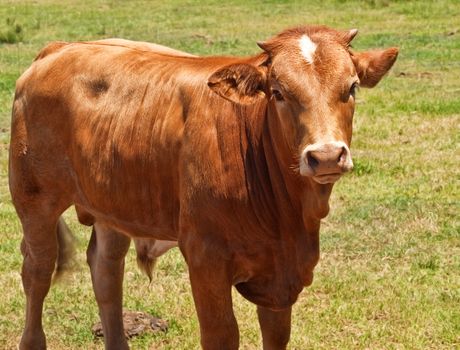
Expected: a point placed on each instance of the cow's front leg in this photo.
(212, 292)
(275, 327)
(105, 255)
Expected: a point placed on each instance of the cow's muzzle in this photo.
(326, 162)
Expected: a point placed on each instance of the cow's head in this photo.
(309, 76)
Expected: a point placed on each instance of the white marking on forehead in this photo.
(307, 48)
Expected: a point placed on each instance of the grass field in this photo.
(389, 275)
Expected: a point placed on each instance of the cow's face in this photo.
(310, 79)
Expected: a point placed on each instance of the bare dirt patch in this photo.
(136, 323)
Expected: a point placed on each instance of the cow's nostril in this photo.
(312, 161)
(343, 156)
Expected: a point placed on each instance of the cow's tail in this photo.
(66, 250)
(148, 250)
(145, 259)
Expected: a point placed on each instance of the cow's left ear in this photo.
(240, 83)
(371, 66)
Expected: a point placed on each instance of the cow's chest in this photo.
(274, 278)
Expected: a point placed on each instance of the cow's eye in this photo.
(277, 95)
(353, 89)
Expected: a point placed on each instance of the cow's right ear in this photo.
(240, 83)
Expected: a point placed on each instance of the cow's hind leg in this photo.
(39, 248)
(275, 327)
(105, 256)
(41, 191)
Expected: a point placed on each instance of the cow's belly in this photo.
(134, 227)
(130, 198)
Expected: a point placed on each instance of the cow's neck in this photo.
(293, 193)
(289, 207)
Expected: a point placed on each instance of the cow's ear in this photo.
(240, 83)
(371, 66)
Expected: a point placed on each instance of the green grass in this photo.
(389, 275)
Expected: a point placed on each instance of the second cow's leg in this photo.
(275, 327)
(105, 255)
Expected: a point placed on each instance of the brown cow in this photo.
(235, 158)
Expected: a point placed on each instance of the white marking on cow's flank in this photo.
(307, 48)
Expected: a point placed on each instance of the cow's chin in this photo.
(327, 178)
